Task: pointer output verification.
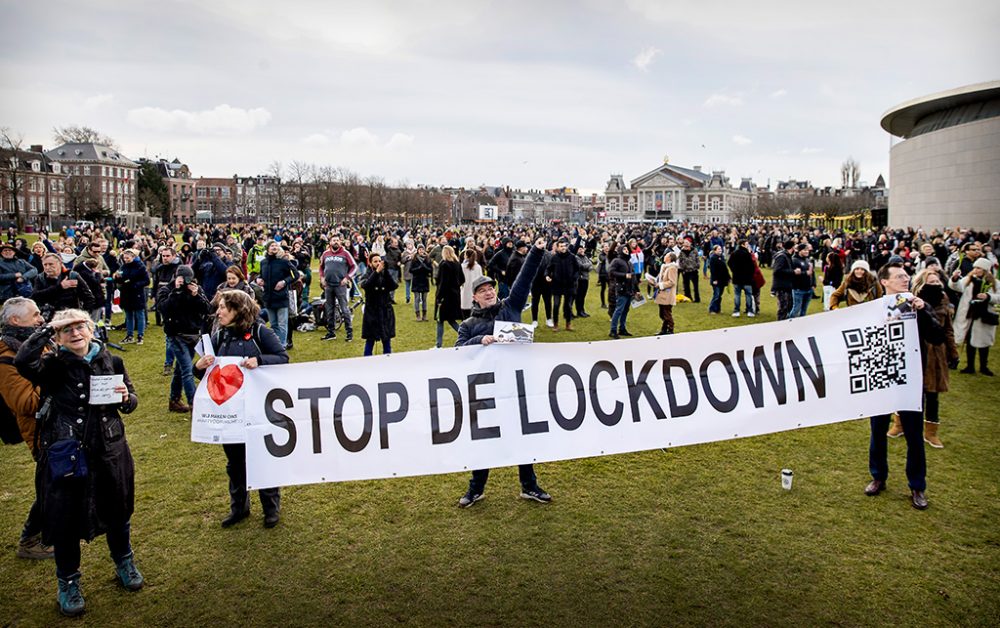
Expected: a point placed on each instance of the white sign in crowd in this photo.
(442, 411)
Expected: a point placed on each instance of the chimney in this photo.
(36, 148)
(697, 168)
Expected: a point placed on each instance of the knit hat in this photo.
(983, 263)
(861, 264)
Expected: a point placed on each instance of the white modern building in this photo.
(946, 171)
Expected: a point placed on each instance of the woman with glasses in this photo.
(85, 472)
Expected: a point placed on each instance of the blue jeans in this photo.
(395, 277)
(440, 331)
(715, 305)
(168, 356)
(738, 292)
(620, 316)
(370, 345)
(135, 320)
(408, 282)
(916, 462)
(800, 302)
(278, 317)
(183, 374)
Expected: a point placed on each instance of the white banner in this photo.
(218, 414)
(442, 411)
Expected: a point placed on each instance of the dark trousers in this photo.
(33, 524)
(691, 277)
(567, 307)
(525, 473)
(544, 296)
(67, 550)
(603, 283)
(370, 345)
(916, 463)
(667, 317)
(784, 303)
(581, 296)
(239, 498)
(932, 407)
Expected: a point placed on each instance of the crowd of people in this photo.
(250, 287)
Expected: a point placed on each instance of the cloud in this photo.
(316, 139)
(742, 140)
(724, 99)
(222, 120)
(779, 93)
(811, 151)
(399, 141)
(93, 102)
(645, 57)
(358, 137)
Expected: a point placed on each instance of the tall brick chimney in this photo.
(36, 148)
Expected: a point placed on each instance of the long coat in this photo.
(379, 319)
(469, 275)
(936, 357)
(421, 270)
(132, 285)
(449, 291)
(983, 335)
(666, 285)
(80, 508)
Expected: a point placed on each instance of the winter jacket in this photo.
(260, 342)
(982, 335)
(20, 395)
(867, 289)
(937, 356)
(254, 257)
(273, 270)
(783, 271)
(480, 324)
(210, 270)
(741, 265)
(666, 285)
(132, 284)
(618, 271)
(563, 270)
(802, 280)
(182, 312)
(468, 276)
(421, 270)
(379, 319)
(687, 261)
(51, 297)
(514, 265)
(449, 291)
(80, 508)
(8, 276)
(95, 281)
(718, 272)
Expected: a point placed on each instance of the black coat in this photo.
(783, 271)
(563, 269)
(741, 265)
(272, 270)
(718, 272)
(261, 343)
(51, 297)
(183, 312)
(379, 319)
(421, 270)
(83, 508)
(132, 285)
(514, 266)
(449, 291)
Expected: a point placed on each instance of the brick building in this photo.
(98, 179)
(37, 182)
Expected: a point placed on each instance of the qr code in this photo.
(877, 356)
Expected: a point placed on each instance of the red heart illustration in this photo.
(223, 382)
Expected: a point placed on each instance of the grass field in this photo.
(700, 535)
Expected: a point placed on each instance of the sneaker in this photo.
(350, 336)
(168, 370)
(329, 336)
(536, 494)
(625, 333)
(128, 340)
(469, 499)
(70, 597)
(736, 314)
(751, 315)
(128, 575)
(33, 549)
(613, 335)
(139, 340)
(549, 323)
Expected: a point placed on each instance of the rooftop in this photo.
(901, 119)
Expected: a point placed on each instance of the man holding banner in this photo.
(478, 329)
(896, 281)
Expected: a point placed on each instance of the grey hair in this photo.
(74, 315)
(15, 307)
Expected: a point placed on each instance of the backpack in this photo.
(10, 432)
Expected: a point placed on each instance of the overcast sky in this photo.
(527, 94)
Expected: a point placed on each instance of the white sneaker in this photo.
(736, 314)
(751, 315)
(549, 323)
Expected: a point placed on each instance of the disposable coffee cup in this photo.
(786, 479)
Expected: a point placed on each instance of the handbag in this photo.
(66, 459)
(990, 318)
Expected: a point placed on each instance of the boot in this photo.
(970, 360)
(32, 548)
(896, 430)
(569, 326)
(176, 405)
(930, 435)
(984, 356)
(70, 597)
(128, 574)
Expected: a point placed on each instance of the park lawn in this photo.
(699, 535)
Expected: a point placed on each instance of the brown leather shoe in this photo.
(874, 488)
(176, 405)
(919, 500)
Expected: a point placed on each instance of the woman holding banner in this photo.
(85, 475)
(242, 335)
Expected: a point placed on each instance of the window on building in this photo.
(715, 204)
(34, 204)
(86, 170)
(104, 171)
(36, 166)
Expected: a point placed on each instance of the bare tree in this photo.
(74, 134)
(81, 198)
(850, 173)
(11, 181)
(299, 173)
(277, 170)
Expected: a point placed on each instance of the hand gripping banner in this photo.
(448, 410)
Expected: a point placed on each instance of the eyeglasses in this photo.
(71, 329)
